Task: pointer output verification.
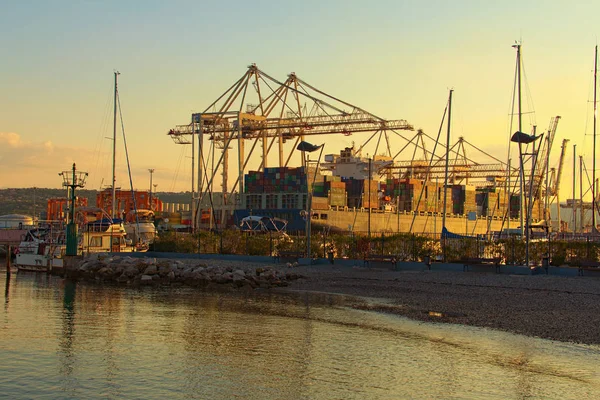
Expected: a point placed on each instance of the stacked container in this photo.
(463, 199)
(276, 180)
(370, 196)
(336, 193)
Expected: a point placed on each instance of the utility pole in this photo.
(151, 170)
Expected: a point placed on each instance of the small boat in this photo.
(104, 236)
(41, 249)
(140, 227)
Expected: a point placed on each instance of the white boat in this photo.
(44, 249)
(41, 250)
(140, 227)
(104, 236)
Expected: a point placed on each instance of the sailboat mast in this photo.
(522, 206)
(447, 158)
(594, 150)
(574, 184)
(114, 179)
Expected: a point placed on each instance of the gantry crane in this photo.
(279, 116)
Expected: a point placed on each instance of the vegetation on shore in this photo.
(403, 246)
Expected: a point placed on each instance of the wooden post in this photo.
(8, 256)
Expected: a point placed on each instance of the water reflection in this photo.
(173, 343)
(66, 354)
(6, 292)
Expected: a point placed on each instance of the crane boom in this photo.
(556, 182)
(543, 157)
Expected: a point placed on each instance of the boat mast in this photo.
(582, 214)
(520, 121)
(594, 148)
(447, 159)
(574, 184)
(114, 179)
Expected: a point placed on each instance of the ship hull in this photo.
(379, 221)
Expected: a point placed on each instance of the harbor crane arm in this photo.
(561, 163)
(543, 157)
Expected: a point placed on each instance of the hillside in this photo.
(30, 201)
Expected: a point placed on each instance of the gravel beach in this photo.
(551, 307)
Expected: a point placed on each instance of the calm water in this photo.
(63, 340)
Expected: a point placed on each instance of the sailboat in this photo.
(138, 224)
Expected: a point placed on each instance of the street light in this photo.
(309, 148)
(523, 138)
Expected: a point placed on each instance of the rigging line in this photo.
(365, 143)
(229, 139)
(311, 97)
(428, 171)
(529, 97)
(223, 95)
(377, 145)
(226, 145)
(405, 146)
(128, 164)
(317, 104)
(177, 168)
(340, 101)
(439, 158)
(589, 189)
(99, 137)
(256, 140)
(485, 153)
(274, 94)
(285, 105)
(512, 110)
(587, 108)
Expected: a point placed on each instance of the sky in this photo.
(396, 59)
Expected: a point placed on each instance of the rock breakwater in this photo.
(153, 272)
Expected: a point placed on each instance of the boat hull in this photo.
(37, 262)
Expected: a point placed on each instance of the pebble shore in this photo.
(550, 307)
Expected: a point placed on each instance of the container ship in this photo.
(345, 199)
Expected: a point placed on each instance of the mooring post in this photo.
(8, 256)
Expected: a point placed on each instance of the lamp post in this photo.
(309, 148)
(151, 170)
(72, 179)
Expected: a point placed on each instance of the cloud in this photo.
(49, 146)
(24, 163)
(11, 139)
